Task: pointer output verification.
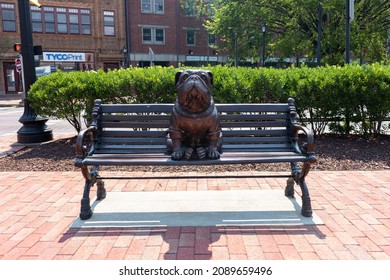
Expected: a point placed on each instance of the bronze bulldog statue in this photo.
(194, 128)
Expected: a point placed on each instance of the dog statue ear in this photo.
(177, 76)
(211, 77)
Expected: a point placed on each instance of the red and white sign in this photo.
(18, 64)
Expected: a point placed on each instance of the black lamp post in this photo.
(34, 129)
(263, 30)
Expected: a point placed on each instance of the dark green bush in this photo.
(345, 99)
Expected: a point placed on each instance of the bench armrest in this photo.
(85, 144)
(307, 146)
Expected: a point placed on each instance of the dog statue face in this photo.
(194, 90)
(195, 127)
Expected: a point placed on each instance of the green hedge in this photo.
(347, 99)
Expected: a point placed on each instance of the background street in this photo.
(9, 123)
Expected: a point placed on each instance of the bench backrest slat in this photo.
(132, 133)
(128, 125)
(136, 108)
(142, 128)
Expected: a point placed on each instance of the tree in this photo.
(370, 29)
(292, 27)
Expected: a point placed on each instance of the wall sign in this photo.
(64, 57)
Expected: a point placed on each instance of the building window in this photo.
(49, 20)
(8, 17)
(191, 38)
(109, 23)
(74, 25)
(212, 40)
(36, 19)
(85, 22)
(152, 6)
(61, 20)
(154, 36)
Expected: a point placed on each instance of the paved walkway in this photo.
(37, 209)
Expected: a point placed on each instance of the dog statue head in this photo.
(194, 90)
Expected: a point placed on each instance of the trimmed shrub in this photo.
(345, 99)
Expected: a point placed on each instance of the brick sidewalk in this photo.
(37, 208)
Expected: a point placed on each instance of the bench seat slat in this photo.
(160, 159)
(147, 147)
(260, 147)
(132, 133)
(162, 141)
(132, 140)
(254, 132)
(248, 140)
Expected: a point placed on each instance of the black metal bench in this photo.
(135, 134)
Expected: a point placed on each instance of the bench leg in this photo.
(306, 203)
(289, 191)
(101, 191)
(299, 177)
(86, 211)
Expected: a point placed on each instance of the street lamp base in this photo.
(34, 131)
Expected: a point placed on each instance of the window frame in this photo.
(151, 7)
(74, 13)
(212, 40)
(11, 8)
(62, 20)
(36, 22)
(47, 22)
(109, 14)
(85, 14)
(194, 37)
(153, 35)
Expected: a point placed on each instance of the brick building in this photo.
(99, 34)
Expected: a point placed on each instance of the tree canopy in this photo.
(292, 29)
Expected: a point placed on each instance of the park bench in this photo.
(135, 134)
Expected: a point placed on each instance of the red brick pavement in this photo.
(37, 209)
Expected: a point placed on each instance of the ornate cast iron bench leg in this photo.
(101, 191)
(299, 178)
(306, 203)
(90, 179)
(289, 191)
(86, 211)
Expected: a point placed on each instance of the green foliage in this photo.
(292, 28)
(345, 99)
